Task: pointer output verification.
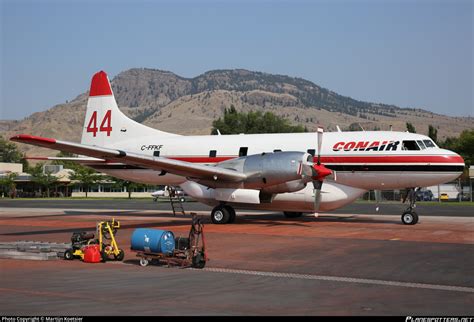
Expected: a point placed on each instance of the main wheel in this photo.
(409, 218)
(220, 215)
(289, 214)
(68, 254)
(119, 257)
(231, 212)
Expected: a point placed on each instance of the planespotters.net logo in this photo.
(439, 319)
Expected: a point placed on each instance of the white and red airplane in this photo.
(255, 171)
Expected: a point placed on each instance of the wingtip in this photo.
(100, 85)
(31, 138)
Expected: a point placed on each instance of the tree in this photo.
(410, 128)
(433, 133)
(354, 127)
(463, 145)
(86, 177)
(66, 164)
(7, 185)
(130, 185)
(9, 153)
(235, 122)
(43, 178)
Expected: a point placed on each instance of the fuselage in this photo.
(367, 160)
(360, 161)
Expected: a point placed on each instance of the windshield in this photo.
(429, 144)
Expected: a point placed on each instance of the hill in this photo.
(164, 100)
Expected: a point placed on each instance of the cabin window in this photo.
(429, 144)
(277, 150)
(156, 153)
(421, 144)
(312, 152)
(212, 153)
(243, 151)
(410, 146)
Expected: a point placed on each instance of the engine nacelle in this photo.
(290, 186)
(273, 172)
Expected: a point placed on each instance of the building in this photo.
(25, 187)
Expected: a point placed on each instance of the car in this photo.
(444, 197)
(425, 195)
(167, 193)
(464, 196)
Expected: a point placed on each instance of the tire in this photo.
(220, 215)
(289, 214)
(120, 255)
(143, 262)
(409, 218)
(68, 254)
(231, 213)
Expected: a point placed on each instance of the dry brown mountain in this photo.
(172, 103)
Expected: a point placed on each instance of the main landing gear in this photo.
(223, 214)
(409, 216)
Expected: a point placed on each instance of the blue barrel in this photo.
(153, 241)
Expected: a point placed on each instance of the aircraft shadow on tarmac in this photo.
(279, 220)
(124, 213)
(269, 220)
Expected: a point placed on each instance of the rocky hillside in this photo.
(189, 105)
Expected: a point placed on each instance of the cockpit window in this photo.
(429, 144)
(410, 146)
(421, 144)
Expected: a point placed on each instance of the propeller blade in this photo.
(320, 143)
(317, 196)
(378, 198)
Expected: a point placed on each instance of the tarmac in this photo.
(264, 264)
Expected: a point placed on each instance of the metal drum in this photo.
(153, 241)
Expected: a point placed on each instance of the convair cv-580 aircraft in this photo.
(295, 173)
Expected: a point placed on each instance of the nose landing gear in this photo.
(409, 216)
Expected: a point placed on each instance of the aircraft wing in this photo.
(181, 168)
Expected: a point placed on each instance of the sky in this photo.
(415, 53)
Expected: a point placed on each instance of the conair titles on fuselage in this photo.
(366, 146)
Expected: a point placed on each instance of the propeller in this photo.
(319, 173)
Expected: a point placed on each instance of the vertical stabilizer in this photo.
(104, 124)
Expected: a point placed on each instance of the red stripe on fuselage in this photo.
(394, 159)
(348, 159)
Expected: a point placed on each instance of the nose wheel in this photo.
(409, 216)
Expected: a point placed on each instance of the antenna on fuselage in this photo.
(361, 127)
(338, 128)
